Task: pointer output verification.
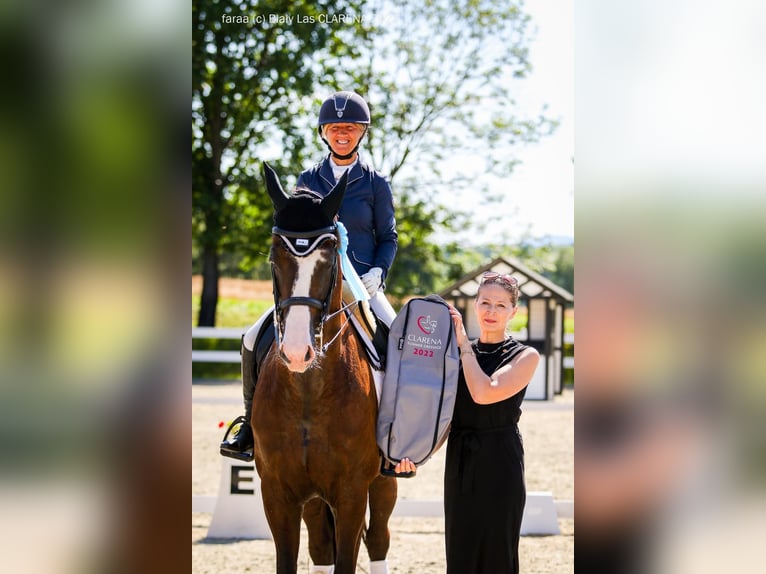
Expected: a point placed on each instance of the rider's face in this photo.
(343, 137)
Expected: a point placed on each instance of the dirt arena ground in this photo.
(417, 545)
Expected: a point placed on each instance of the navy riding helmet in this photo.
(343, 107)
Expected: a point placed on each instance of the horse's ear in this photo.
(276, 193)
(331, 202)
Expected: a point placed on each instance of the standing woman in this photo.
(484, 492)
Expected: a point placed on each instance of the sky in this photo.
(539, 196)
(693, 77)
(542, 188)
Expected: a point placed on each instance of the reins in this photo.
(342, 328)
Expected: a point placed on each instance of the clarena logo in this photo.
(426, 324)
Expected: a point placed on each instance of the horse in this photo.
(315, 405)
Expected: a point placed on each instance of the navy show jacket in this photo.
(367, 212)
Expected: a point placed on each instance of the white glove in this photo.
(372, 280)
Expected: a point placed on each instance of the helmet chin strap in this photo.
(345, 156)
(350, 154)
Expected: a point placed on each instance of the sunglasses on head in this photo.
(507, 279)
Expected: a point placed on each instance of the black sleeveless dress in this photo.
(484, 492)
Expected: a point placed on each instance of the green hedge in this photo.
(223, 371)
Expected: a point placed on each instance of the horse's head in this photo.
(304, 264)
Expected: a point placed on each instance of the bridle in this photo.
(302, 244)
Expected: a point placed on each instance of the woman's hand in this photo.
(457, 320)
(405, 465)
(372, 280)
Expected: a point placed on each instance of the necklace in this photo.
(502, 345)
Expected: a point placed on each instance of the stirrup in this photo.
(246, 455)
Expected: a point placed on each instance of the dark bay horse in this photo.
(315, 406)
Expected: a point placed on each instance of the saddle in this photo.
(371, 331)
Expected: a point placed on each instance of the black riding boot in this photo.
(240, 446)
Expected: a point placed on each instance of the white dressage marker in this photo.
(238, 509)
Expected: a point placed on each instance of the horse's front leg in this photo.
(321, 527)
(284, 517)
(349, 513)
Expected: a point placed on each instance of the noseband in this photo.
(302, 244)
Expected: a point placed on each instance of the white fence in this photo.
(200, 356)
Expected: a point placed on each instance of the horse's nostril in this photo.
(309, 354)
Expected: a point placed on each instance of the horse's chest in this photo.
(305, 424)
(315, 436)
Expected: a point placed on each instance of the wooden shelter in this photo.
(545, 302)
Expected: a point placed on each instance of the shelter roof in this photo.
(531, 284)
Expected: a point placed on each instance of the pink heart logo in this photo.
(426, 325)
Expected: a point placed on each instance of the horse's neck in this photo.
(333, 325)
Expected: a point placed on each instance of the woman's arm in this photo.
(503, 383)
(386, 237)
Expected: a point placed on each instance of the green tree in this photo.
(553, 261)
(250, 79)
(563, 273)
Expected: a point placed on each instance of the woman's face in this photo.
(494, 308)
(343, 137)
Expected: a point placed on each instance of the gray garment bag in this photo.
(420, 384)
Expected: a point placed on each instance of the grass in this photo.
(234, 312)
(519, 321)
